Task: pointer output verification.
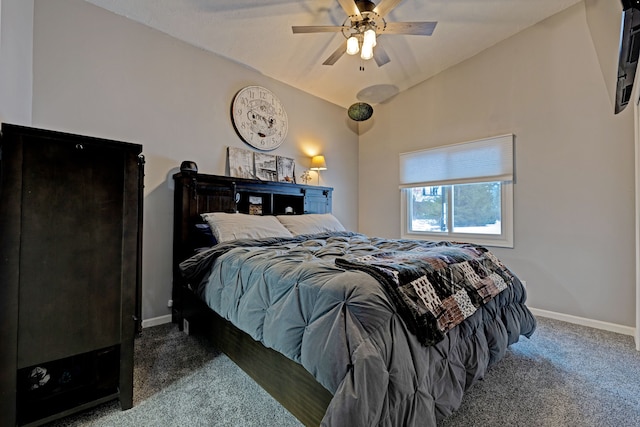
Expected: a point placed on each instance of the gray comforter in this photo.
(346, 329)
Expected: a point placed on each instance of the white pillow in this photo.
(231, 226)
(310, 223)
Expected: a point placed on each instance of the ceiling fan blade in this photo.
(317, 29)
(385, 6)
(351, 9)
(380, 55)
(414, 28)
(336, 55)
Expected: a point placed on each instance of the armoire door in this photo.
(71, 249)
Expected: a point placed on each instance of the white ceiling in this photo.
(258, 33)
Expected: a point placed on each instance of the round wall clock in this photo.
(259, 118)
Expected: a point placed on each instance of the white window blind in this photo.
(484, 160)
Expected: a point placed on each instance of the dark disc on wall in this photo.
(360, 111)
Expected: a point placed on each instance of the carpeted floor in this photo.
(182, 380)
(565, 375)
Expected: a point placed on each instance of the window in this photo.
(461, 192)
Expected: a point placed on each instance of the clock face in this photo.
(259, 118)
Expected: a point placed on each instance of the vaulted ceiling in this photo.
(258, 34)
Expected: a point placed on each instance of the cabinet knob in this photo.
(79, 147)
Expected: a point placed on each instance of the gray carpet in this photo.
(565, 375)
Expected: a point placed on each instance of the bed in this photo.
(339, 327)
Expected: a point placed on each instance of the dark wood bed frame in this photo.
(287, 381)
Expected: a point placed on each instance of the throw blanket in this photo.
(435, 288)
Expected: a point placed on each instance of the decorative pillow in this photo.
(201, 237)
(231, 226)
(310, 223)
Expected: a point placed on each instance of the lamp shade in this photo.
(318, 163)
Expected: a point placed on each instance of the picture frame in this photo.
(286, 169)
(255, 205)
(265, 166)
(241, 163)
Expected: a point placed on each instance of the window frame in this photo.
(504, 240)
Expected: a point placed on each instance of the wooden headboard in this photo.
(197, 193)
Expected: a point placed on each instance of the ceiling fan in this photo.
(365, 22)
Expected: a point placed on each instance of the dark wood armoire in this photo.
(70, 272)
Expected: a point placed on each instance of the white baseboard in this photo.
(155, 321)
(597, 324)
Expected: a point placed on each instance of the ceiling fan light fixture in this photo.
(368, 42)
(353, 45)
(370, 37)
(360, 27)
(367, 51)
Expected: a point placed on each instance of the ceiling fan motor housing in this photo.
(365, 5)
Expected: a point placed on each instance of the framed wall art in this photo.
(255, 205)
(241, 163)
(266, 168)
(286, 169)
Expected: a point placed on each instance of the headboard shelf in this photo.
(218, 194)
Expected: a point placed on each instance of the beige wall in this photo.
(100, 74)
(574, 191)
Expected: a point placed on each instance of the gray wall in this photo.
(574, 190)
(100, 74)
(16, 47)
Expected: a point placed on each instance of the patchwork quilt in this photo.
(435, 286)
